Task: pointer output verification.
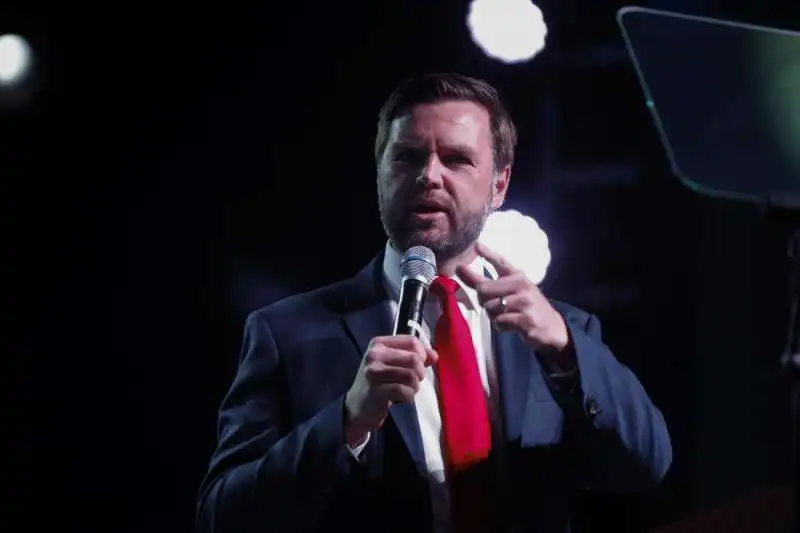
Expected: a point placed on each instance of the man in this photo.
(332, 423)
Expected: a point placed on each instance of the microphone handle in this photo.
(412, 301)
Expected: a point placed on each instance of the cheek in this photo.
(390, 180)
(469, 197)
(387, 190)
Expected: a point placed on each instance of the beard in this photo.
(447, 237)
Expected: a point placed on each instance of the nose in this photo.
(431, 173)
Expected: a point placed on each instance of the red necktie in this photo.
(462, 399)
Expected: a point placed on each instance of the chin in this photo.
(436, 241)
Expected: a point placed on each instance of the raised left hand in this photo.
(515, 303)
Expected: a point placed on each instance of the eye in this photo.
(456, 159)
(408, 156)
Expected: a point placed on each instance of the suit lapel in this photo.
(530, 414)
(368, 315)
(522, 389)
(513, 374)
(514, 361)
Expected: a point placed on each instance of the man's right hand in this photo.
(390, 372)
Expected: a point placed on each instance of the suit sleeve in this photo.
(619, 436)
(266, 475)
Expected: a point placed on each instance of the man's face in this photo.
(449, 145)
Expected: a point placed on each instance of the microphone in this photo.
(417, 271)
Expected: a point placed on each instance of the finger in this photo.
(419, 355)
(421, 350)
(390, 355)
(514, 303)
(509, 321)
(469, 277)
(394, 357)
(402, 342)
(419, 368)
(382, 374)
(489, 289)
(398, 393)
(432, 356)
(500, 263)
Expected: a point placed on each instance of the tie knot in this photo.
(443, 285)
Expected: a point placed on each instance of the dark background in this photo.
(174, 167)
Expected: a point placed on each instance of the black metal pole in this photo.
(791, 361)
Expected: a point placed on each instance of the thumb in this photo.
(432, 356)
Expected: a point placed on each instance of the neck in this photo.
(448, 267)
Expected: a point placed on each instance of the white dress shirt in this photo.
(426, 400)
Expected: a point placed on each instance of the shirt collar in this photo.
(391, 276)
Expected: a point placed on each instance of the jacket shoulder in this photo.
(571, 313)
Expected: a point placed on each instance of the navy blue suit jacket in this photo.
(281, 464)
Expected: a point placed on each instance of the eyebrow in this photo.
(457, 148)
(460, 148)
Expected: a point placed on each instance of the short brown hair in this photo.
(430, 88)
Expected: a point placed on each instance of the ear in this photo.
(500, 187)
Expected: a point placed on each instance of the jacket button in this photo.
(592, 408)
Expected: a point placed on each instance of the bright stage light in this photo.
(519, 239)
(15, 59)
(511, 31)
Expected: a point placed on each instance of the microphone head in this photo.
(419, 263)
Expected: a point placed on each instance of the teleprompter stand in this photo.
(725, 100)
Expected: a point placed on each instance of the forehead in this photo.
(459, 122)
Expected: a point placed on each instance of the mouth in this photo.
(428, 212)
(428, 208)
